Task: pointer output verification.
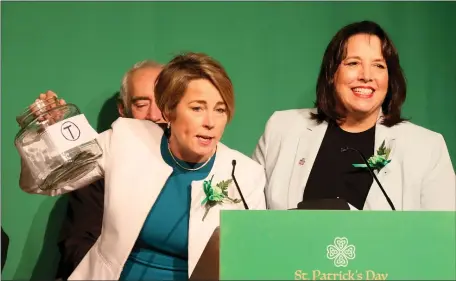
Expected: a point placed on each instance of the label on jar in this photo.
(69, 133)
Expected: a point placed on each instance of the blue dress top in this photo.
(161, 251)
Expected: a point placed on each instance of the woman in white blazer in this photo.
(360, 91)
(157, 217)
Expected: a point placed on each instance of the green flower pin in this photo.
(217, 194)
(378, 161)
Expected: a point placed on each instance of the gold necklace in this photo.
(190, 169)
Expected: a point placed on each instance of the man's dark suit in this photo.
(81, 227)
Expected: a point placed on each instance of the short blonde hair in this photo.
(173, 80)
(125, 87)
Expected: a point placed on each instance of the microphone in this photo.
(372, 173)
(237, 185)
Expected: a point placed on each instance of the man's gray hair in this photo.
(124, 94)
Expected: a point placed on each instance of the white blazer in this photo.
(135, 173)
(420, 175)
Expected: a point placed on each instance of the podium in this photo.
(337, 245)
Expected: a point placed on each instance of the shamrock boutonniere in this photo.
(379, 160)
(217, 194)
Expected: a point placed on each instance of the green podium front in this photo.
(337, 245)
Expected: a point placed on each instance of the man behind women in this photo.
(359, 95)
(159, 213)
(82, 224)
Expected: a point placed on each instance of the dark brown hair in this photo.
(173, 80)
(326, 102)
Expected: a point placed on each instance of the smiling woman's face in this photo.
(199, 121)
(361, 81)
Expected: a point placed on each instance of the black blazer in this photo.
(5, 244)
(81, 226)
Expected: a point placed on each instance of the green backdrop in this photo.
(271, 50)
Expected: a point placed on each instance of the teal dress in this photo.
(161, 251)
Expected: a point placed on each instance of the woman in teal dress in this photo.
(161, 252)
(160, 210)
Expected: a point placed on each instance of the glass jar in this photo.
(57, 143)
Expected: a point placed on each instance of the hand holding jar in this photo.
(46, 108)
(56, 141)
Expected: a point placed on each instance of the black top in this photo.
(333, 175)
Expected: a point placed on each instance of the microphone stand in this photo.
(237, 185)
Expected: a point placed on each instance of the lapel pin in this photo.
(302, 161)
